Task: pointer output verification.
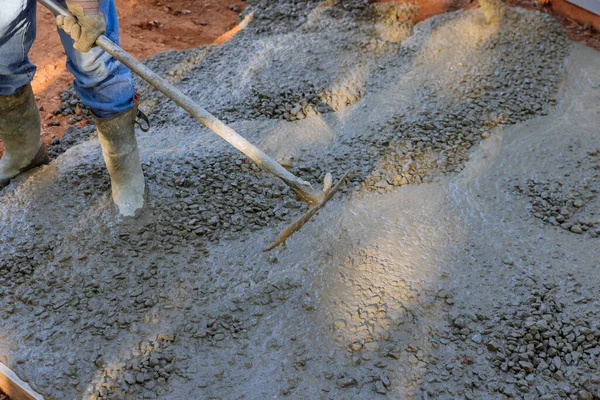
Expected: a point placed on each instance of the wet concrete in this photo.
(438, 273)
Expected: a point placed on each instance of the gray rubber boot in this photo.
(122, 159)
(20, 132)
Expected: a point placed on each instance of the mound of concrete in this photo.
(460, 261)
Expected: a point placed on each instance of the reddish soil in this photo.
(430, 8)
(147, 28)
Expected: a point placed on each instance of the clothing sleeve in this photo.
(90, 7)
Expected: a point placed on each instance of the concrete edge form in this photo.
(14, 387)
(590, 5)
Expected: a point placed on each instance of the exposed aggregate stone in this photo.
(536, 349)
(71, 105)
(72, 137)
(569, 202)
(145, 376)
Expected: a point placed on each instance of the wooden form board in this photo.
(14, 387)
(590, 5)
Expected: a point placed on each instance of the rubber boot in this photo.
(20, 132)
(122, 159)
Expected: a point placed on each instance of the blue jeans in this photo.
(103, 84)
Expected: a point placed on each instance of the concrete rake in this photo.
(303, 190)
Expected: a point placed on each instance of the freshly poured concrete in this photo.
(432, 276)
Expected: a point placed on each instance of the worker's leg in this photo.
(17, 32)
(19, 116)
(106, 87)
(103, 84)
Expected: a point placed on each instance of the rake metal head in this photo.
(328, 193)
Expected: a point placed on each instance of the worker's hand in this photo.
(86, 24)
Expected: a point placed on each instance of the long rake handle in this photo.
(302, 188)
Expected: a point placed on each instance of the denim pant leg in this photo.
(103, 83)
(17, 32)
